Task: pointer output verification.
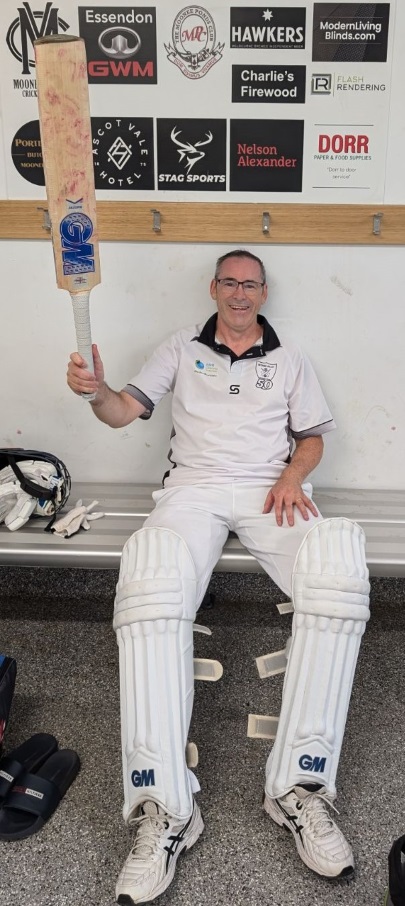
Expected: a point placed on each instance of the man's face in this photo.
(238, 306)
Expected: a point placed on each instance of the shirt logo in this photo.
(265, 373)
(206, 368)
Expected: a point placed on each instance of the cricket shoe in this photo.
(320, 843)
(150, 866)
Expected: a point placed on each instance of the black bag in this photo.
(8, 673)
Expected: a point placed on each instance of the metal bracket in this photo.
(156, 226)
(46, 223)
(377, 218)
(266, 222)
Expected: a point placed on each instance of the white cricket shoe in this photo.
(320, 843)
(150, 866)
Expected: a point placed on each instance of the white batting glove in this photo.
(21, 511)
(79, 517)
(7, 475)
(42, 474)
(8, 497)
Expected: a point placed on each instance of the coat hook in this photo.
(266, 222)
(377, 218)
(156, 226)
(46, 223)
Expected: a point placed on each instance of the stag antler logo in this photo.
(190, 151)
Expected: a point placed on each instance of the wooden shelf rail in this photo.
(285, 224)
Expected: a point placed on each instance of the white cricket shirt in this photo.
(234, 417)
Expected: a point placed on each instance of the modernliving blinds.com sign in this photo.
(350, 32)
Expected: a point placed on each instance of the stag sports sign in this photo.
(290, 100)
(191, 154)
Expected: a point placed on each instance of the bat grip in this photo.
(81, 314)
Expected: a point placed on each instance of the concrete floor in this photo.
(57, 624)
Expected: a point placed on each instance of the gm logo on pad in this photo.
(315, 764)
(143, 778)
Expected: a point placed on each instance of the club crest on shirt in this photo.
(265, 374)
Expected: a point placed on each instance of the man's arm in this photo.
(115, 409)
(287, 491)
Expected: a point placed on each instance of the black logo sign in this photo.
(268, 28)
(120, 43)
(192, 154)
(321, 83)
(266, 155)
(268, 84)
(26, 153)
(350, 32)
(30, 25)
(123, 152)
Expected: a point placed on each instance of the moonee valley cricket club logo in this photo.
(265, 374)
(193, 36)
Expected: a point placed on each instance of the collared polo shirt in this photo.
(234, 417)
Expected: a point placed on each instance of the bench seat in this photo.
(381, 513)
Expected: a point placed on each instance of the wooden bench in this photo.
(381, 513)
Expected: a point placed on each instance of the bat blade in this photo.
(65, 127)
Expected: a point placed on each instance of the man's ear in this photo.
(213, 289)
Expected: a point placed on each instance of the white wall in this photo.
(344, 305)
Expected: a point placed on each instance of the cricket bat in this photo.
(65, 127)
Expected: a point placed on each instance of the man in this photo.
(242, 399)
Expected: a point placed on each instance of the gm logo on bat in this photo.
(77, 252)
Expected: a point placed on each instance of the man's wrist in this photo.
(293, 474)
(100, 397)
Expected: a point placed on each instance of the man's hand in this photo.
(285, 494)
(79, 379)
(114, 409)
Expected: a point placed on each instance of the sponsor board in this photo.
(267, 28)
(120, 44)
(268, 84)
(192, 154)
(346, 157)
(123, 152)
(352, 84)
(266, 155)
(26, 153)
(25, 28)
(194, 48)
(350, 32)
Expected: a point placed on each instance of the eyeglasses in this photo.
(231, 285)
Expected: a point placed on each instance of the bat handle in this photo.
(81, 314)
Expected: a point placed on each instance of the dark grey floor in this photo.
(57, 624)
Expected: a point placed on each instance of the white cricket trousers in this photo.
(204, 514)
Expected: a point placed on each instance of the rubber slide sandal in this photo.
(35, 797)
(27, 757)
